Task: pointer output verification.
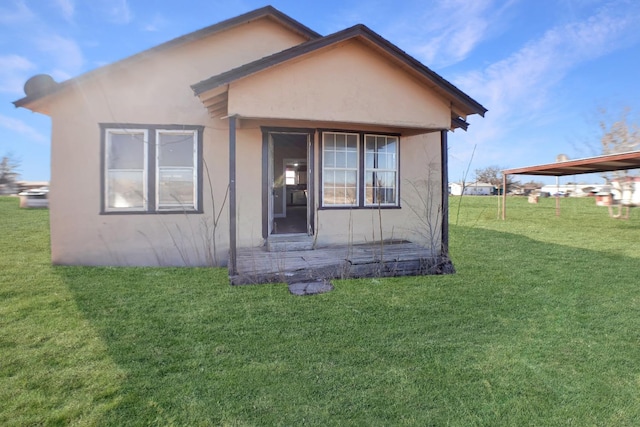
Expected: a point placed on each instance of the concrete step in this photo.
(289, 242)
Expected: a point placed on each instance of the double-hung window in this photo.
(381, 170)
(127, 166)
(340, 169)
(151, 168)
(359, 170)
(176, 164)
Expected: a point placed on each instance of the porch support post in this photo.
(232, 196)
(444, 169)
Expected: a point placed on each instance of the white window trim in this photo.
(366, 170)
(178, 207)
(357, 169)
(145, 170)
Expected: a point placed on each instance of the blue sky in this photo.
(543, 68)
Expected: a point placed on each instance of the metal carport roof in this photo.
(607, 163)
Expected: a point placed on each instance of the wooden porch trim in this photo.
(444, 169)
(232, 196)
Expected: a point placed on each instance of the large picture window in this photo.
(151, 168)
(359, 170)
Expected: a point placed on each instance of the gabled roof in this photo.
(267, 11)
(462, 104)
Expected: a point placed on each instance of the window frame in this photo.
(383, 170)
(194, 174)
(334, 168)
(151, 171)
(361, 171)
(145, 168)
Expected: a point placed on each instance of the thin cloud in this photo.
(448, 30)
(156, 24)
(67, 8)
(457, 27)
(18, 126)
(118, 11)
(17, 13)
(66, 55)
(14, 71)
(523, 82)
(520, 89)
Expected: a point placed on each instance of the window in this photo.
(126, 169)
(151, 168)
(176, 177)
(290, 176)
(351, 158)
(380, 169)
(340, 169)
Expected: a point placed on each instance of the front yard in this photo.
(540, 326)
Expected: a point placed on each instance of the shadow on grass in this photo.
(526, 333)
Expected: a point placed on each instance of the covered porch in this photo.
(376, 259)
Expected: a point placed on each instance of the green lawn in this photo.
(540, 326)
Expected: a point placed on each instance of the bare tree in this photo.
(618, 136)
(8, 173)
(493, 175)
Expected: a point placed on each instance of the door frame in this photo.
(267, 176)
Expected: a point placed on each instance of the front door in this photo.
(289, 181)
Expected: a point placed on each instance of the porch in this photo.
(379, 259)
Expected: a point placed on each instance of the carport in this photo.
(608, 163)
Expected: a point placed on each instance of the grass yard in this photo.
(540, 327)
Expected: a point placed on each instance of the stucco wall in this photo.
(417, 219)
(154, 89)
(369, 94)
(349, 82)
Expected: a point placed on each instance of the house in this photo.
(626, 190)
(256, 132)
(472, 189)
(572, 190)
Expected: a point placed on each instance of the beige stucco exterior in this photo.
(346, 83)
(348, 86)
(418, 219)
(154, 89)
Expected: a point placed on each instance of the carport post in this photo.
(504, 195)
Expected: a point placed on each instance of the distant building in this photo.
(472, 189)
(30, 185)
(572, 190)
